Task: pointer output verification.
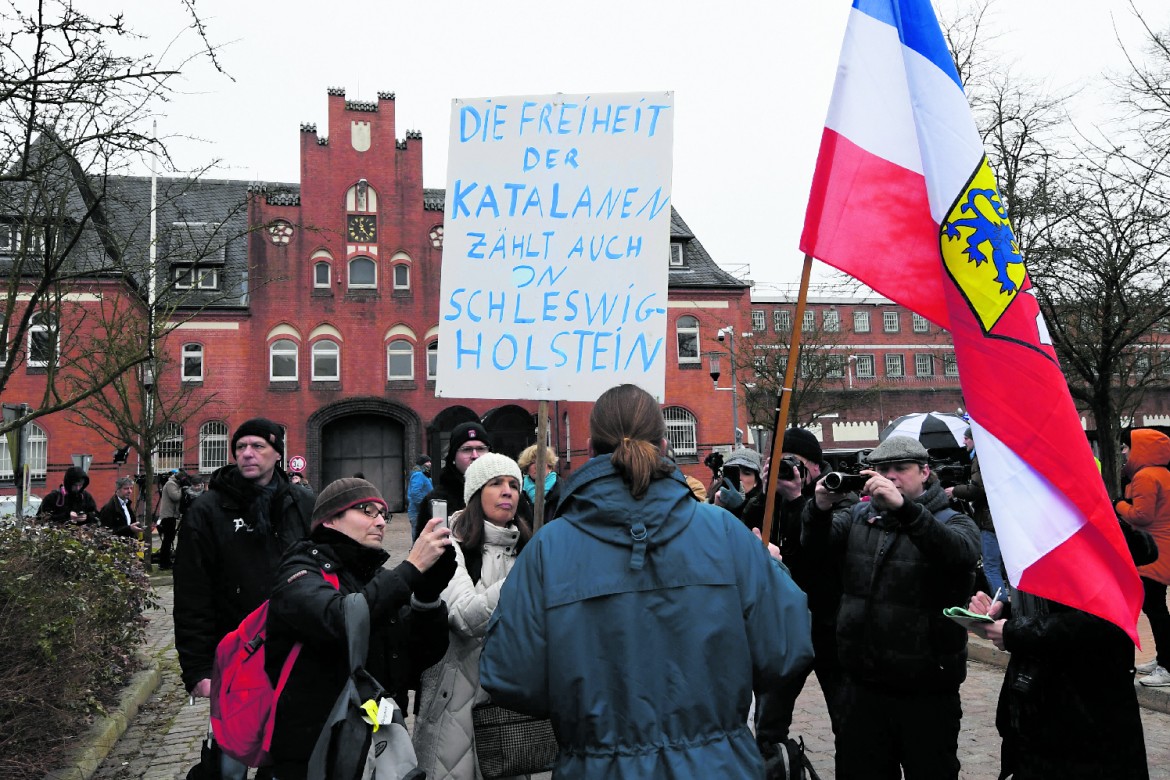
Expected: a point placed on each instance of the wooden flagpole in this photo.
(785, 398)
(541, 464)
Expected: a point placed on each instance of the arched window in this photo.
(326, 361)
(213, 446)
(283, 361)
(432, 360)
(36, 454)
(168, 451)
(681, 431)
(42, 340)
(687, 329)
(399, 360)
(363, 273)
(321, 275)
(402, 277)
(192, 362)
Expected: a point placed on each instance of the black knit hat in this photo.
(422, 460)
(800, 442)
(463, 433)
(265, 429)
(341, 494)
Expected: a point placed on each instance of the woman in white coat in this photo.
(488, 537)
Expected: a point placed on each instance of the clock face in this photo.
(362, 228)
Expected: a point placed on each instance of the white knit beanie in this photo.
(486, 468)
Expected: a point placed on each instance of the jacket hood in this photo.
(1147, 447)
(597, 501)
(73, 475)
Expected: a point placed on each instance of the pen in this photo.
(994, 599)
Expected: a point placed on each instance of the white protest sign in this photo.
(555, 246)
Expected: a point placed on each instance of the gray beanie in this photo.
(898, 449)
(486, 468)
(341, 494)
(745, 459)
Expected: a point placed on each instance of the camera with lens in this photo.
(791, 468)
(714, 461)
(840, 482)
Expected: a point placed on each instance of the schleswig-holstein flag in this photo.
(904, 199)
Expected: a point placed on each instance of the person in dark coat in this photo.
(118, 512)
(1067, 708)
(408, 620)
(71, 503)
(230, 544)
(905, 556)
(742, 491)
(468, 441)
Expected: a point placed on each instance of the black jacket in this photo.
(449, 488)
(230, 552)
(114, 518)
(58, 504)
(1068, 708)
(899, 571)
(306, 608)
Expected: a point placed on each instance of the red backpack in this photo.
(243, 701)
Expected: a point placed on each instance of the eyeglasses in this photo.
(473, 450)
(373, 509)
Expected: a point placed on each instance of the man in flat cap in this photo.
(230, 544)
(905, 557)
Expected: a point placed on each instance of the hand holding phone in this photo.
(439, 509)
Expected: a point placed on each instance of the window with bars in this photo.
(782, 320)
(213, 446)
(681, 431)
(895, 366)
(757, 320)
(168, 452)
(831, 321)
(890, 321)
(950, 365)
(919, 323)
(835, 366)
(924, 365)
(809, 322)
(864, 366)
(36, 453)
(861, 322)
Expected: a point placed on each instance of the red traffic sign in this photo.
(297, 463)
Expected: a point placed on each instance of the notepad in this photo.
(966, 617)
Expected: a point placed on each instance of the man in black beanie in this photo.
(468, 442)
(231, 541)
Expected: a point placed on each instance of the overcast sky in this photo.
(752, 81)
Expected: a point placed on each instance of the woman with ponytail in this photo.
(642, 619)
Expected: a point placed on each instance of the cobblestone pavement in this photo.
(163, 741)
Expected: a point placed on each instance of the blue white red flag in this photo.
(904, 199)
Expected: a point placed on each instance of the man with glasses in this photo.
(230, 543)
(905, 556)
(469, 441)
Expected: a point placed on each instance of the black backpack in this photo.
(787, 760)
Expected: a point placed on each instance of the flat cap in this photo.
(897, 449)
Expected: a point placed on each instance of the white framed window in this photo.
(213, 446)
(687, 330)
(681, 431)
(36, 454)
(835, 367)
(399, 360)
(895, 365)
(402, 277)
(782, 320)
(919, 323)
(864, 366)
(861, 322)
(759, 364)
(168, 451)
(282, 361)
(830, 321)
(42, 340)
(363, 273)
(809, 322)
(676, 254)
(433, 360)
(192, 362)
(924, 365)
(757, 320)
(890, 321)
(321, 272)
(1141, 363)
(189, 277)
(326, 361)
(950, 365)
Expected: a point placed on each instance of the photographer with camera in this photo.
(741, 490)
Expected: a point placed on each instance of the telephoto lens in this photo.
(840, 482)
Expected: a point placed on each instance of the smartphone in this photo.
(439, 509)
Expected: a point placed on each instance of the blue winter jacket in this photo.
(641, 627)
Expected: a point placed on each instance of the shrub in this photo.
(71, 604)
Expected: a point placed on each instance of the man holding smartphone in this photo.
(71, 503)
(469, 441)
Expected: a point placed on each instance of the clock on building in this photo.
(362, 227)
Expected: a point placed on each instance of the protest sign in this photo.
(555, 248)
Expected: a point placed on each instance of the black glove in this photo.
(430, 585)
